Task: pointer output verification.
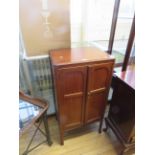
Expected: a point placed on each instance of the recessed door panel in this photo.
(72, 96)
(95, 106)
(71, 114)
(99, 77)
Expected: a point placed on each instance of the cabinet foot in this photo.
(61, 138)
(106, 126)
(100, 127)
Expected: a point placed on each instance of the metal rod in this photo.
(47, 129)
(34, 147)
(113, 26)
(129, 45)
(40, 130)
(26, 151)
(36, 57)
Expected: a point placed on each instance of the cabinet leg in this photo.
(106, 126)
(100, 127)
(47, 130)
(61, 136)
(62, 139)
(56, 117)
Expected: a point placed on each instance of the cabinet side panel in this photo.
(122, 109)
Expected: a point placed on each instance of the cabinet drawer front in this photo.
(71, 93)
(99, 77)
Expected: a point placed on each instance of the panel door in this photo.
(72, 86)
(99, 78)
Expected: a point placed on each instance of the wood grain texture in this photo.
(99, 77)
(82, 79)
(127, 77)
(85, 141)
(71, 85)
(78, 55)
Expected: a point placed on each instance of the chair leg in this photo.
(124, 150)
(47, 130)
(34, 134)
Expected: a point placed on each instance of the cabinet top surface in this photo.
(78, 55)
(128, 77)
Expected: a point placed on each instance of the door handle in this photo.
(96, 91)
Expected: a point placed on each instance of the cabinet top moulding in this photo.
(78, 56)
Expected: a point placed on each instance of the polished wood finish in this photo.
(121, 117)
(78, 56)
(98, 82)
(128, 77)
(82, 79)
(72, 87)
(84, 141)
(113, 26)
(129, 46)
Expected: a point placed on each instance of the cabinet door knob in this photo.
(89, 93)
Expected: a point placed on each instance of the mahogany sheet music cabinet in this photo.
(81, 78)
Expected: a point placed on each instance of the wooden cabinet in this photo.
(82, 78)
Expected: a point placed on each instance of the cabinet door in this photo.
(71, 92)
(99, 77)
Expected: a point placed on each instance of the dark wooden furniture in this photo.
(82, 77)
(32, 112)
(121, 117)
